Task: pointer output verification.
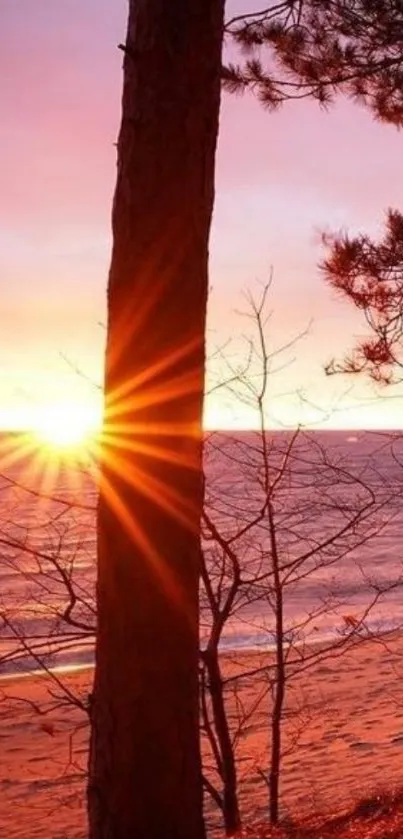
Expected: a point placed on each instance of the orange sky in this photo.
(280, 178)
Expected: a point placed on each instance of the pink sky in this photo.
(280, 178)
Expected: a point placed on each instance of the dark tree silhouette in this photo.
(145, 778)
(317, 48)
(145, 774)
(370, 274)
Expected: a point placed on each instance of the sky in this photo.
(281, 178)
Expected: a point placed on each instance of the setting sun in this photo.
(65, 426)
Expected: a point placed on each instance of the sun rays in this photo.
(149, 448)
(50, 457)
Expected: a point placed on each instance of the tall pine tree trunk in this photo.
(145, 775)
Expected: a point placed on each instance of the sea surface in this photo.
(314, 517)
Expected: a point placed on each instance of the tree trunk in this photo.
(145, 773)
(232, 818)
(279, 685)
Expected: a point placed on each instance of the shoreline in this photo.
(343, 738)
(38, 673)
(226, 653)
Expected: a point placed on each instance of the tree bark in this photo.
(279, 684)
(145, 772)
(232, 818)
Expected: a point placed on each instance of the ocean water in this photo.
(327, 505)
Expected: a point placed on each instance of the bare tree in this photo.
(282, 513)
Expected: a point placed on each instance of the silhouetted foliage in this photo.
(316, 48)
(370, 274)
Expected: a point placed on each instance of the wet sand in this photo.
(343, 739)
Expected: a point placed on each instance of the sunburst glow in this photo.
(65, 427)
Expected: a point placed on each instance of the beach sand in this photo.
(343, 740)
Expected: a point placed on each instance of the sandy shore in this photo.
(343, 739)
